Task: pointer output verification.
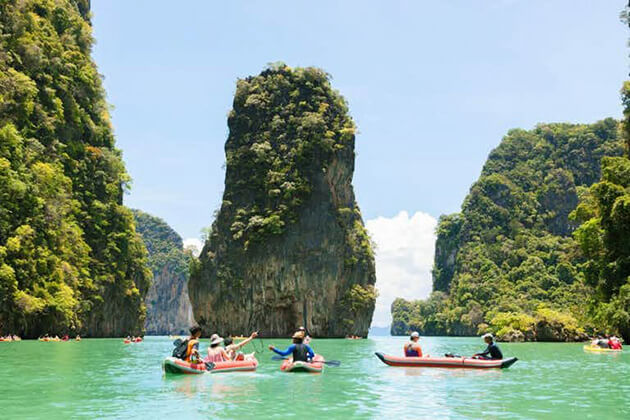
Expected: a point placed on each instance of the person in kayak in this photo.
(192, 348)
(492, 352)
(300, 352)
(413, 349)
(232, 348)
(307, 338)
(216, 353)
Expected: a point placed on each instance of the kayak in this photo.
(175, 365)
(598, 349)
(445, 362)
(316, 366)
(127, 341)
(137, 340)
(235, 366)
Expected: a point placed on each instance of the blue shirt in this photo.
(290, 349)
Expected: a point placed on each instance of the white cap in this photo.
(487, 335)
(415, 334)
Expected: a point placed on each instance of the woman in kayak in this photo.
(412, 349)
(216, 353)
(232, 348)
(300, 352)
(491, 352)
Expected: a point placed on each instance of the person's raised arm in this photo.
(237, 346)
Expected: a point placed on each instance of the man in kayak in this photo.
(412, 349)
(300, 352)
(307, 338)
(492, 352)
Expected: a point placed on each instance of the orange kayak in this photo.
(175, 365)
(315, 366)
(445, 362)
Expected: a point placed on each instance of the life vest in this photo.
(300, 353)
(410, 351)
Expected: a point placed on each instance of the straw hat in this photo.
(215, 339)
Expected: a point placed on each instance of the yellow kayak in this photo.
(597, 349)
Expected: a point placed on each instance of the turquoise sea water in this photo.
(104, 378)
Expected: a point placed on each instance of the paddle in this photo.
(327, 362)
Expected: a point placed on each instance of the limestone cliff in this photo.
(288, 246)
(508, 262)
(167, 301)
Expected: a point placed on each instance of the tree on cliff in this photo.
(508, 262)
(288, 246)
(70, 259)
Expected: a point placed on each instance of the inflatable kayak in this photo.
(127, 341)
(445, 362)
(598, 349)
(175, 365)
(315, 366)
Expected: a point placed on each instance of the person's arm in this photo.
(485, 352)
(418, 349)
(225, 355)
(247, 340)
(286, 352)
(310, 353)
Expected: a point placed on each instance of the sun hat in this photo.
(415, 334)
(215, 339)
(487, 335)
(298, 334)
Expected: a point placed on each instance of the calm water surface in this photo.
(104, 378)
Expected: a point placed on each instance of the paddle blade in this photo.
(334, 363)
(278, 358)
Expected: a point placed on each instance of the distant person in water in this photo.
(299, 351)
(216, 353)
(492, 352)
(232, 348)
(412, 348)
(192, 349)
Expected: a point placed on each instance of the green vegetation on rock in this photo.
(70, 260)
(167, 301)
(288, 246)
(508, 262)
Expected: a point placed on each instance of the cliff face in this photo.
(70, 260)
(288, 246)
(508, 262)
(168, 305)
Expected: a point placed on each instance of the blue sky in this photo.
(432, 85)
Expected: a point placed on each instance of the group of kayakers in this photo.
(492, 351)
(607, 342)
(225, 349)
(10, 337)
(64, 337)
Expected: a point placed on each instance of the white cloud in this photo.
(195, 244)
(404, 258)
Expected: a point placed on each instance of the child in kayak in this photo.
(300, 352)
(216, 353)
(412, 349)
(232, 348)
(192, 348)
(491, 352)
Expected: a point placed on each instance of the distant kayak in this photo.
(315, 366)
(445, 362)
(175, 365)
(597, 349)
(127, 341)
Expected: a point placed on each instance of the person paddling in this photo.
(492, 352)
(192, 348)
(413, 349)
(300, 352)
